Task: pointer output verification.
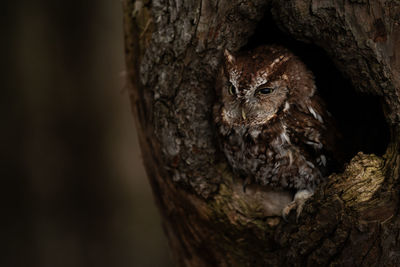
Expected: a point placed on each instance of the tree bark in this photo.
(173, 50)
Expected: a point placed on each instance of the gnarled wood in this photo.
(173, 49)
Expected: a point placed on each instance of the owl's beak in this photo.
(243, 114)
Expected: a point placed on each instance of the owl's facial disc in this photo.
(253, 95)
(260, 104)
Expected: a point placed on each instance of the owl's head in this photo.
(255, 85)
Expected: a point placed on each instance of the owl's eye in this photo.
(231, 89)
(265, 90)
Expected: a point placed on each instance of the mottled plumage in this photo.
(273, 127)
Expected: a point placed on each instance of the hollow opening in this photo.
(359, 117)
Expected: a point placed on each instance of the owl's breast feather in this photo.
(267, 155)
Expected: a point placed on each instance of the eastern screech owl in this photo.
(273, 127)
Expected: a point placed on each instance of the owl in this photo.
(273, 127)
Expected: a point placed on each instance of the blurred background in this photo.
(73, 191)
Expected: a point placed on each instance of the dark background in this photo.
(73, 191)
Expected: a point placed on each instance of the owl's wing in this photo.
(314, 132)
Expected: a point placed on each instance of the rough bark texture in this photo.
(173, 49)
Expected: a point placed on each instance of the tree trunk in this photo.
(173, 50)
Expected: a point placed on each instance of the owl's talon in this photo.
(298, 202)
(286, 211)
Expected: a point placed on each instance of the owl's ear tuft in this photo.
(229, 58)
